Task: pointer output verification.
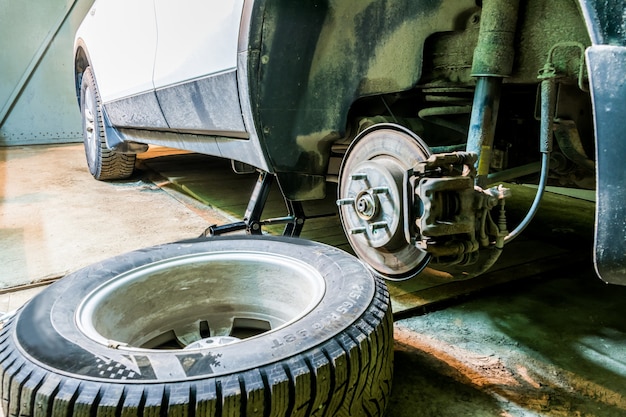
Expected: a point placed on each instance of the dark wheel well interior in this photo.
(81, 62)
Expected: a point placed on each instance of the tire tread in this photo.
(108, 164)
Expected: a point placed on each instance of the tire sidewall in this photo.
(94, 141)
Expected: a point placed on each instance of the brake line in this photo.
(548, 100)
(545, 166)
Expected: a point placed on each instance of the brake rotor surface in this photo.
(373, 199)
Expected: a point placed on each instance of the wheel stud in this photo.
(358, 176)
(345, 201)
(378, 225)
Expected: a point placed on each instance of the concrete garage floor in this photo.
(55, 218)
(550, 345)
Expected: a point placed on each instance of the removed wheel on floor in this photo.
(229, 326)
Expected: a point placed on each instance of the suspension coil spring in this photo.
(453, 100)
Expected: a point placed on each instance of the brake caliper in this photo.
(452, 215)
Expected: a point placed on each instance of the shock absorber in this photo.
(493, 60)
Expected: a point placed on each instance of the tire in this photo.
(88, 343)
(103, 163)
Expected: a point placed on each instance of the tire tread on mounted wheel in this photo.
(103, 163)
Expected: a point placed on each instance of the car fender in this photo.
(606, 65)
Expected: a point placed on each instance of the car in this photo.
(414, 109)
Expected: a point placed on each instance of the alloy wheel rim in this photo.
(197, 300)
(90, 126)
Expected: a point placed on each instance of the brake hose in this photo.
(548, 99)
(545, 166)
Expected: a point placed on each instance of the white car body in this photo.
(154, 70)
(162, 40)
(116, 80)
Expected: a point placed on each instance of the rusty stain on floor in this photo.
(552, 346)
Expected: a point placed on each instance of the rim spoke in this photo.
(188, 333)
(243, 328)
(221, 325)
(166, 340)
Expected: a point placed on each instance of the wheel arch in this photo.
(604, 20)
(302, 102)
(81, 62)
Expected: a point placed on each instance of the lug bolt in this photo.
(380, 190)
(358, 176)
(378, 225)
(345, 201)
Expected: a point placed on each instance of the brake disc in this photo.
(375, 200)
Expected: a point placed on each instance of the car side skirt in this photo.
(139, 111)
(187, 116)
(206, 104)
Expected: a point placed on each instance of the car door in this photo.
(120, 38)
(195, 65)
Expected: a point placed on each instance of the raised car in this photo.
(417, 110)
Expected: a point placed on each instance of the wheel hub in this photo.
(89, 126)
(367, 205)
(375, 213)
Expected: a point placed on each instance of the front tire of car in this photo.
(103, 163)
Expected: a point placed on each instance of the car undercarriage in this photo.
(419, 114)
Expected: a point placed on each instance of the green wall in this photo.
(37, 96)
